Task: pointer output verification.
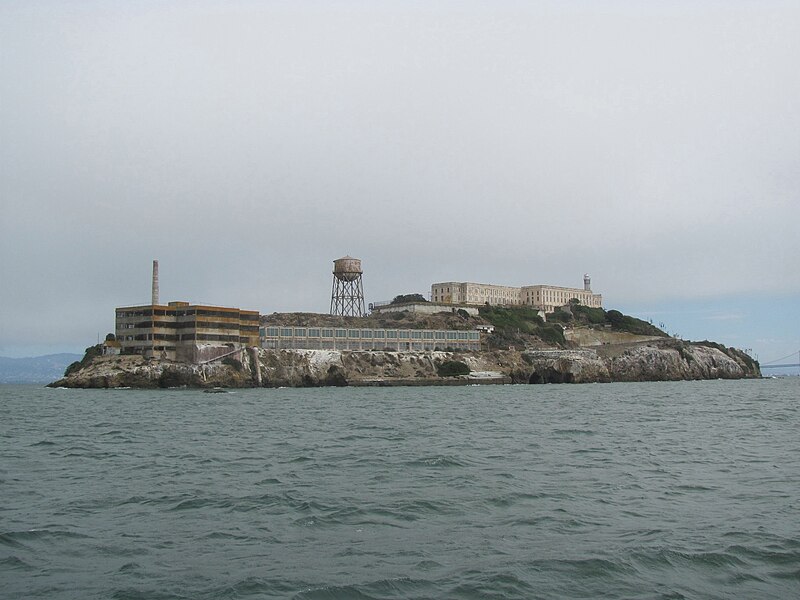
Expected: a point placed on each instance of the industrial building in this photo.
(541, 297)
(397, 340)
(185, 332)
(182, 331)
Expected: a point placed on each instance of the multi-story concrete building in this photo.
(550, 297)
(541, 297)
(457, 292)
(339, 338)
(185, 332)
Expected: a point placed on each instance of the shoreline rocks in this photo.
(660, 360)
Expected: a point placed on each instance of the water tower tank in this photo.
(347, 268)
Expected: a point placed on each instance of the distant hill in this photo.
(36, 369)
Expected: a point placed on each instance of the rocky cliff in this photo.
(655, 360)
(658, 360)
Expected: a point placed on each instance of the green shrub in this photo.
(452, 368)
(406, 298)
(89, 355)
(595, 316)
(513, 323)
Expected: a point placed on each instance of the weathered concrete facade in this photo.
(541, 297)
(397, 340)
(425, 308)
(185, 332)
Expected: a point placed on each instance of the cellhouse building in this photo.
(540, 297)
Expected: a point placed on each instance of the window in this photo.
(286, 332)
(300, 332)
(341, 333)
(354, 333)
(313, 333)
(327, 333)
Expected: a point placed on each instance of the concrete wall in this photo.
(543, 297)
(427, 308)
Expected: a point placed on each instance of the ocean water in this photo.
(655, 490)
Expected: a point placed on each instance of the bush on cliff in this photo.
(90, 354)
(595, 316)
(514, 325)
(620, 322)
(738, 355)
(452, 368)
(406, 298)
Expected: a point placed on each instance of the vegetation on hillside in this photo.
(514, 326)
(407, 298)
(452, 368)
(91, 353)
(577, 314)
(734, 353)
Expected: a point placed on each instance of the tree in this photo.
(408, 298)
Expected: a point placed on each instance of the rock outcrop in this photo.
(664, 360)
(654, 360)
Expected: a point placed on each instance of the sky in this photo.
(246, 145)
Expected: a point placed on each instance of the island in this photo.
(489, 345)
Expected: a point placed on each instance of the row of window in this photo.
(146, 337)
(294, 343)
(161, 312)
(401, 334)
(188, 325)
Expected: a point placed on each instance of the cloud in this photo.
(248, 145)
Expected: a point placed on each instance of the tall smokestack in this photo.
(155, 282)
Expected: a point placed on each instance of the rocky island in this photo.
(576, 344)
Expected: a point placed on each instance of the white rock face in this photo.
(651, 361)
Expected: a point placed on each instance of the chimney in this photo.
(155, 282)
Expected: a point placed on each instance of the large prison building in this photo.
(395, 340)
(541, 297)
(185, 332)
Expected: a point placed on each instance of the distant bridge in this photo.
(771, 364)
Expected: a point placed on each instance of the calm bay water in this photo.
(659, 490)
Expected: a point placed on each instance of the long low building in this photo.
(541, 297)
(185, 332)
(397, 340)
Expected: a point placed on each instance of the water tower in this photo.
(347, 297)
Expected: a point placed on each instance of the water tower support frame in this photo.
(347, 297)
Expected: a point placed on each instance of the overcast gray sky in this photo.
(655, 145)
